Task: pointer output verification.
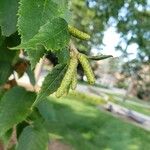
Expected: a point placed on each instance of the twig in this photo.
(72, 47)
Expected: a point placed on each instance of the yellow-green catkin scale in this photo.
(66, 91)
(77, 33)
(68, 77)
(74, 81)
(87, 68)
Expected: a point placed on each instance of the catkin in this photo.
(77, 33)
(87, 68)
(74, 81)
(68, 77)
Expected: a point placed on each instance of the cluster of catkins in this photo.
(70, 78)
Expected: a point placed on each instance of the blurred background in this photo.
(120, 28)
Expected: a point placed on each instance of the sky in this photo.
(111, 39)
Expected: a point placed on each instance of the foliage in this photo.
(139, 73)
(33, 137)
(130, 19)
(39, 28)
(14, 110)
(30, 30)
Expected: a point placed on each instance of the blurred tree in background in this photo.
(130, 18)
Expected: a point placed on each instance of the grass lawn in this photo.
(84, 127)
(131, 104)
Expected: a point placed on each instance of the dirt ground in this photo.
(58, 145)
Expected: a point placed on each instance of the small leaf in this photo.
(33, 138)
(35, 55)
(8, 17)
(14, 107)
(100, 57)
(53, 35)
(52, 82)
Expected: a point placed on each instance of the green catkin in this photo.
(74, 81)
(65, 93)
(67, 78)
(87, 68)
(77, 33)
(66, 90)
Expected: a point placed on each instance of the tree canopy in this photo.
(130, 18)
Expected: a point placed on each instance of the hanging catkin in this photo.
(68, 77)
(87, 68)
(77, 33)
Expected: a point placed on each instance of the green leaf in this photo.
(14, 107)
(63, 9)
(63, 55)
(100, 57)
(8, 16)
(5, 71)
(2, 92)
(62, 5)
(47, 110)
(20, 127)
(1, 38)
(30, 74)
(52, 82)
(33, 138)
(6, 137)
(7, 55)
(53, 35)
(34, 14)
(35, 55)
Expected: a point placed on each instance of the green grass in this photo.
(97, 100)
(95, 85)
(84, 127)
(130, 104)
(140, 109)
(90, 99)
